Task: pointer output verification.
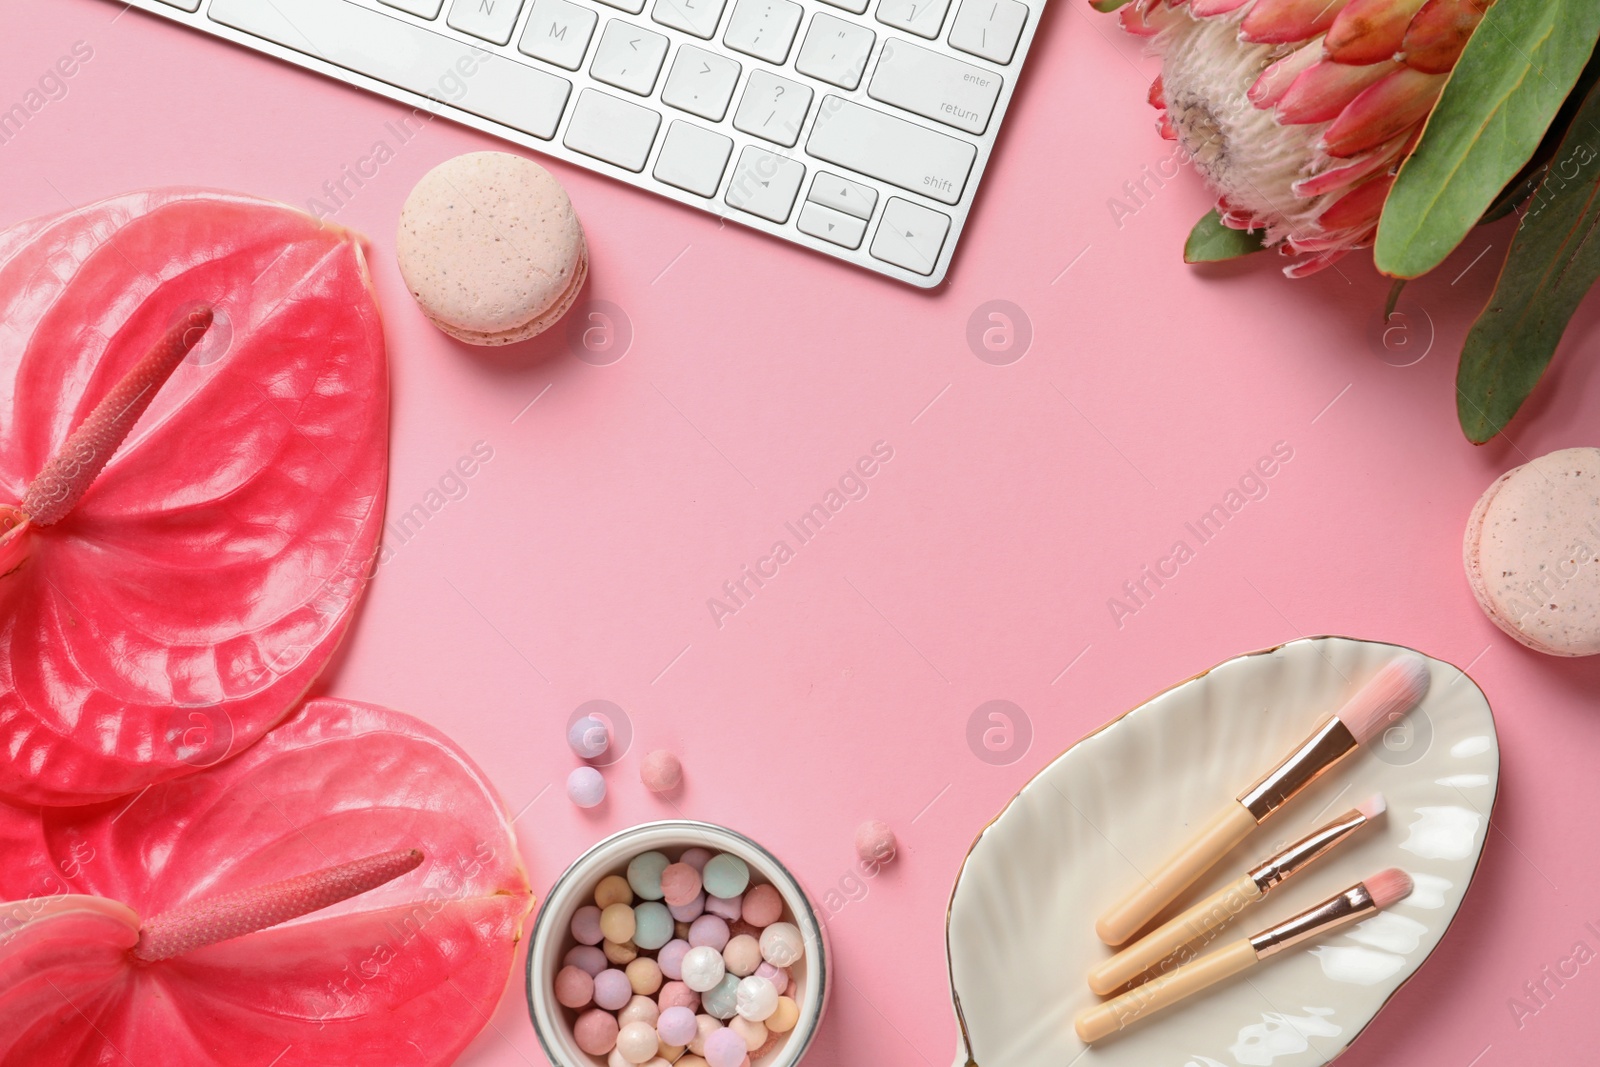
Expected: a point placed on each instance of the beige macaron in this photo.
(1533, 552)
(490, 247)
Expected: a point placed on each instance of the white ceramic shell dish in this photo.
(1071, 843)
(810, 979)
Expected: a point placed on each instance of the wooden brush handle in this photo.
(1198, 924)
(1103, 1020)
(1231, 826)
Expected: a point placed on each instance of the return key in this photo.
(935, 86)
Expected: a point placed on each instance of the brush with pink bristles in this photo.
(1383, 700)
(1175, 941)
(1140, 1002)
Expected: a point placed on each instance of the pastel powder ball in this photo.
(677, 995)
(703, 969)
(595, 1032)
(612, 990)
(574, 987)
(661, 772)
(491, 249)
(588, 738)
(725, 1048)
(585, 787)
(875, 843)
(763, 905)
(676, 1026)
(638, 1042)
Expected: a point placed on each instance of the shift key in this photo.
(892, 150)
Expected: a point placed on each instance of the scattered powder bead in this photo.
(613, 889)
(639, 1010)
(725, 1049)
(652, 926)
(688, 913)
(617, 923)
(781, 944)
(742, 955)
(586, 926)
(661, 772)
(680, 884)
(619, 953)
(676, 1026)
(784, 1017)
(677, 995)
(574, 987)
(729, 908)
(638, 1042)
(612, 990)
(588, 737)
(670, 958)
(875, 843)
(644, 874)
(703, 969)
(596, 1032)
(644, 974)
(723, 1001)
(726, 876)
(585, 957)
(585, 787)
(754, 1034)
(763, 905)
(757, 1000)
(778, 976)
(710, 931)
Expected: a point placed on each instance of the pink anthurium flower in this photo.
(347, 891)
(193, 456)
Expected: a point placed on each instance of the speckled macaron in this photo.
(490, 247)
(1533, 552)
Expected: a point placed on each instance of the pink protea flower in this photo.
(1298, 113)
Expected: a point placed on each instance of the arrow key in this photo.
(832, 226)
(765, 184)
(910, 236)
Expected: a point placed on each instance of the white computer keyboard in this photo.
(861, 134)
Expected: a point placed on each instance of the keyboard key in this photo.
(701, 83)
(773, 108)
(891, 149)
(844, 195)
(558, 32)
(427, 9)
(833, 226)
(765, 184)
(921, 17)
(407, 57)
(763, 28)
(935, 86)
(835, 51)
(629, 57)
(989, 28)
(194, 5)
(910, 236)
(699, 17)
(693, 159)
(856, 6)
(614, 130)
(632, 7)
(491, 20)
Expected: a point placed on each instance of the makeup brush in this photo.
(1359, 901)
(1199, 924)
(1390, 693)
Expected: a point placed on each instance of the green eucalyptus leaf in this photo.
(1507, 87)
(1210, 241)
(1106, 5)
(1554, 260)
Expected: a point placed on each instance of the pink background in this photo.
(979, 567)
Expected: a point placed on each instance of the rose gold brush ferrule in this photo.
(1302, 853)
(1337, 911)
(1331, 742)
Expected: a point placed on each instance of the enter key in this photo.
(935, 86)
